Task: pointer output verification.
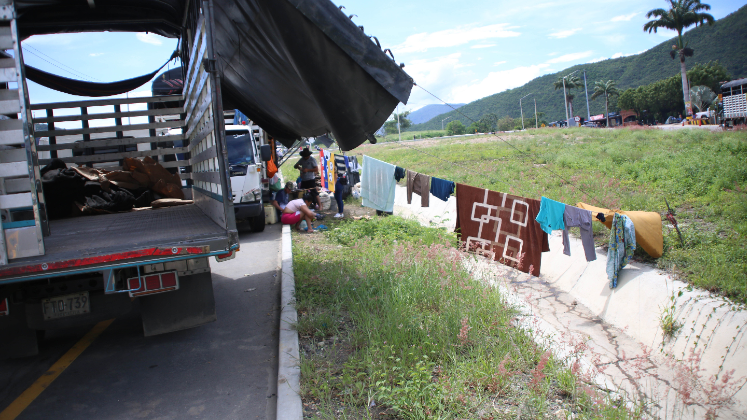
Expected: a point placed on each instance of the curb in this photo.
(289, 405)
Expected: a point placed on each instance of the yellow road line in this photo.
(24, 400)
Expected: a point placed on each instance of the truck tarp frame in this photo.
(298, 68)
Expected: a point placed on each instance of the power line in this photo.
(59, 65)
(519, 151)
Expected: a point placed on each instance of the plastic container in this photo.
(271, 216)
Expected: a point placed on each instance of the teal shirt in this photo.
(550, 216)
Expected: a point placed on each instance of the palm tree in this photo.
(702, 97)
(608, 88)
(571, 82)
(681, 15)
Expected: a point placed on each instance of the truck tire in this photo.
(258, 222)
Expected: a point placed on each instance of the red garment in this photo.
(290, 218)
(501, 227)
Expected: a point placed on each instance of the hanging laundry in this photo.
(420, 185)
(576, 217)
(621, 246)
(323, 168)
(647, 227)
(340, 165)
(441, 188)
(399, 173)
(377, 184)
(550, 216)
(501, 227)
(331, 172)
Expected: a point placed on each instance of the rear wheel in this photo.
(258, 222)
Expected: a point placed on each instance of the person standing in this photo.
(308, 167)
(339, 185)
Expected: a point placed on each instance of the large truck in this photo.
(289, 65)
(734, 102)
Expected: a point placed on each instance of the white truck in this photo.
(270, 58)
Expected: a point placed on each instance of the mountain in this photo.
(725, 42)
(431, 111)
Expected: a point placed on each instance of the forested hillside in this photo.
(725, 42)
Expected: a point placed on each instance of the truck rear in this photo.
(81, 269)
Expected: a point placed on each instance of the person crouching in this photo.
(297, 210)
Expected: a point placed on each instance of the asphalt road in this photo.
(222, 370)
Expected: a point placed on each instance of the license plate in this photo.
(68, 305)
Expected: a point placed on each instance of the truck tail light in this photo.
(4, 310)
(153, 283)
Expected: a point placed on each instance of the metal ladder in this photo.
(23, 221)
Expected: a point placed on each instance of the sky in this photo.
(458, 50)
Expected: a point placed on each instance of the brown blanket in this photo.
(501, 227)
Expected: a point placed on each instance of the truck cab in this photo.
(246, 170)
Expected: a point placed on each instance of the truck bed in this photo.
(88, 237)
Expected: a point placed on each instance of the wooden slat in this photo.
(110, 129)
(105, 102)
(175, 163)
(9, 101)
(204, 155)
(185, 175)
(13, 155)
(213, 177)
(204, 106)
(109, 157)
(80, 145)
(14, 201)
(200, 45)
(204, 132)
(14, 169)
(108, 115)
(6, 39)
(16, 185)
(11, 132)
(8, 70)
(193, 96)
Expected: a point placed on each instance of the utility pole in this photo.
(522, 110)
(565, 97)
(536, 120)
(398, 129)
(586, 91)
(442, 123)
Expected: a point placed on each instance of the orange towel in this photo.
(647, 227)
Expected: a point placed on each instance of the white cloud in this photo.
(452, 37)
(499, 63)
(596, 60)
(483, 46)
(149, 38)
(496, 82)
(56, 39)
(571, 57)
(624, 18)
(564, 34)
(95, 54)
(553, 53)
(666, 33)
(618, 55)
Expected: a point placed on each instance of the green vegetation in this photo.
(391, 322)
(663, 98)
(681, 15)
(390, 126)
(702, 174)
(455, 128)
(410, 135)
(725, 42)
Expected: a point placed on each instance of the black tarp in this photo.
(298, 68)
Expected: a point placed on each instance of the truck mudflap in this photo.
(16, 338)
(192, 305)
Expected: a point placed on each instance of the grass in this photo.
(703, 175)
(410, 135)
(393, 326)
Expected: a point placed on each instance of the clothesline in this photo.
(512, 229)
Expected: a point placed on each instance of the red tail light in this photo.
(4, 307)
(153, 283)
